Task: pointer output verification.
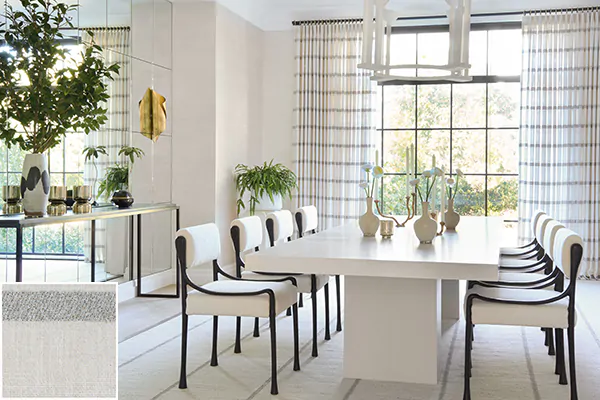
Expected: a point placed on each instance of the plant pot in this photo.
(451, 217)
(122, 199)
(35, 185)
(425, 227)
(369, 222)
(265, 204)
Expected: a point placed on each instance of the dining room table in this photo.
(396, 290)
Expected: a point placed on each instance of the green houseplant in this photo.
(44, 93)
(267, 179)
(116, 181)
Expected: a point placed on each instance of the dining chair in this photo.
(534, 263)
(247, 235)
(538, 308)
(529, 249)
(307, 221)
(200, 244)
(280, 227)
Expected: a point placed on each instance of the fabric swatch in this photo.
(59, 340)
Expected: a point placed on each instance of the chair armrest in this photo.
(473, 296)
(545, 281)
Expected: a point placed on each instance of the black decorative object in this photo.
(122, 199)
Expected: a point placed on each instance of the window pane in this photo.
(57, 179)
(433, 106)
(433, 50)
(505, 52)
(502, 196)
(15, 159)
(56, 159)
(503, 105)
(468, 105)
(3, 155)
(394, 195)
(403, 50)
(503, 156)
(74, 180)
(399, 107)
(470, 198)
(468, 151)
(27, 240)
(73, 147)
(394, 145)
(48, 239)
(14, 179)
(74, 238)
(478, 53)
(430, 143)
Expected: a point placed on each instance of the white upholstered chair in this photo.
(307, 221)
(247, 235)
(538, 308)
(280, 227)
(529, 249)
(231, 297)
(538, 259)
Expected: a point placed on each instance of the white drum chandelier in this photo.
(378, 22)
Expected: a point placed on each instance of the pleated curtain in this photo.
(334, 120)
(559, 167)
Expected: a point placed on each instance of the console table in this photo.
(135, 212)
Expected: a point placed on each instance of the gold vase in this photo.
(82, 195)
(11, 194)
(57, 198)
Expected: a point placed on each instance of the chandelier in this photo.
(378, 22)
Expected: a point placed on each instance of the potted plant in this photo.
(92, 153)
(263, 182)
(44, 93)
(116, 181)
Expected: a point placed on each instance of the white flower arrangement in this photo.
(452, 185)
(373, 171)
(434, 173)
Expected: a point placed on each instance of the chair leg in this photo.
(546, 336)
(274, 387)
(300, 300)
(184, 335)
(551, 350)
(338, 293)
(468, 349)
(256, 331)
(288, 312)
(313, 295)
(572, 373)
(238, 329)
(296, 342)
(327, 332)
(560, 370)
(213, 359)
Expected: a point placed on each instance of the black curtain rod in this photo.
(500, 14)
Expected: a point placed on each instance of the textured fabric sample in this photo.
(59, 340)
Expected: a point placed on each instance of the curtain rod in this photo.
(500, 14)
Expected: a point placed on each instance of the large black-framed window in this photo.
(472, 126)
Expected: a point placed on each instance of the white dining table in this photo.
(396, 290)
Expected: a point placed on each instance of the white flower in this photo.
(426, 174)
(450, 182)
(363, 185)
(459, 172)
(414, 182)
(377, 172)
(437, 171)
(367, 167)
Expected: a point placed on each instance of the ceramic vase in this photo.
(425, 227)
(35, 185)
(369, 222)
(451, 217)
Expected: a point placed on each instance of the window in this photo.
(472, 126)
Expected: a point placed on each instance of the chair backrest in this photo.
(202, 244)
(280, 225)
(540, 228)
(567, 253)
(535, 218)
(250, 233)
(307, 219)
(549, 234)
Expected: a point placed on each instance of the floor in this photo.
(509, 362)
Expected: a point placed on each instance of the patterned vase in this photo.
(425, 227)
(369, 222)
(452, 218)
(35, 185)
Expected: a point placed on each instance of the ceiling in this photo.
(278, 14)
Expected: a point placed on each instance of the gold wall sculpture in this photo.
(153, 115)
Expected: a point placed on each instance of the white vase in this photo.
(35, 185)
(265, 204)
(451, 217)
(369, 222)
(425, 227)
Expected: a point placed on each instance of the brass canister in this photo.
(57, 198)
(386, 228)
(82, 196)
(11, 194)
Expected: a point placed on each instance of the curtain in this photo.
(559, 166)
(115, 43)
(334, 131)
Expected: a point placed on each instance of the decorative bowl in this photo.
(122, 199)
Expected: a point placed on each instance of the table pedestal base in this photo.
(392, 329)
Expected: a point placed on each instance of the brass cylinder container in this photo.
(11, 193)
(386, 228)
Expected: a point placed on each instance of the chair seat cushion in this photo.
(514, 251)
(521, 277)
(303, 280)
(553, 315)
(199, 303)
(516, 263)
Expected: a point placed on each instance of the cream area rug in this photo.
(59, 341)
(510, 363)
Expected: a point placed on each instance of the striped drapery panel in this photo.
(334, 120)
(559, 167)
(115, 43)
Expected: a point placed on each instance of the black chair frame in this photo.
(576, 254)
(180, 245)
